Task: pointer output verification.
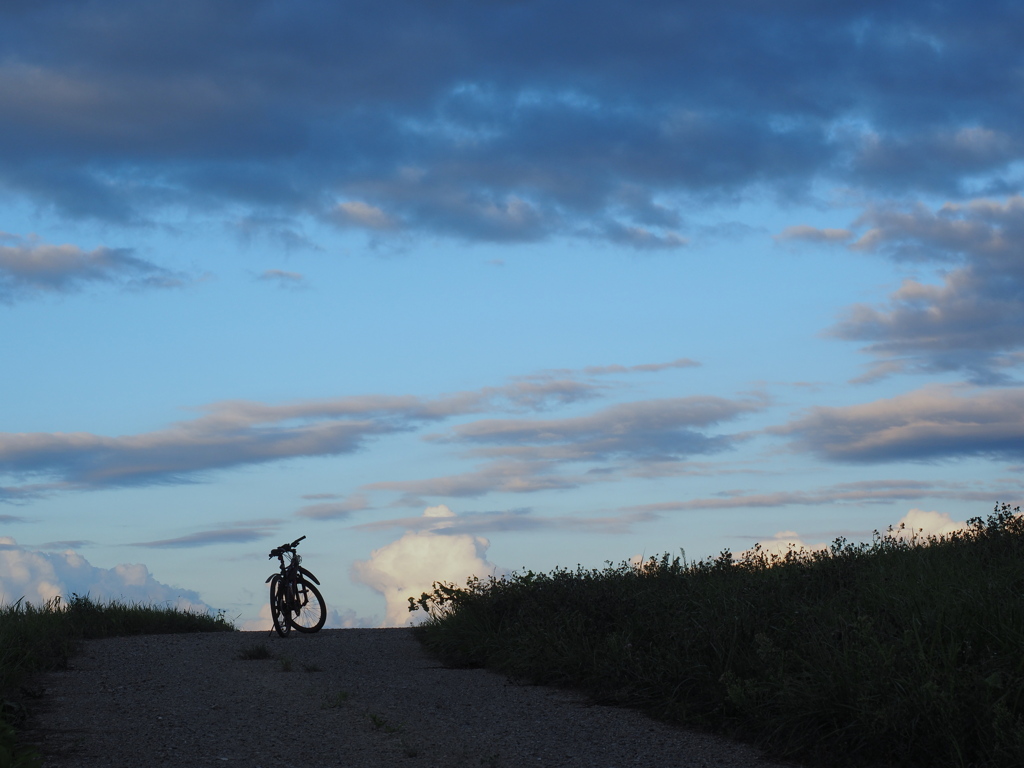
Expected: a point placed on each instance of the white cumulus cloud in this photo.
(38, 577)
(919, 523)
(409, 566)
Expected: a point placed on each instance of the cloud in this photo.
(241, 433)
(335, 510)
(515, 520)
(650, 429)
(278, 229)
(383, 125)
(814, 235)
(27, 492)
(926, 424)
(972, 320)
(919, 523)
(542, 391)
(362, 215)
(229, 434)
(531, 455)
(283, 279)
(409, 566)
(240, 534)
(492, 477)
(39, 576)
(603, 370)
(63, 545)
(938, 160)
(30, 268)
(859, 493)
(644, 239)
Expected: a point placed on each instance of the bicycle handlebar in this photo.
(285, 548)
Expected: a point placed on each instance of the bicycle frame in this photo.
(291, 570)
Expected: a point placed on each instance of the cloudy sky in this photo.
(459, 287)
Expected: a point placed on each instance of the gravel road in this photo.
(350, 697)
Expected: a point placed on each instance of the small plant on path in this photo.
(381, 724)
(256, 652)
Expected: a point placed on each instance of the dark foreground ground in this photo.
(350, 697)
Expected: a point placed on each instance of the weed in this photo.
(286, 664)
(256, 652)
(380, 724)
(310, 668)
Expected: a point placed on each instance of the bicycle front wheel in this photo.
(309, 611)
(279, 607)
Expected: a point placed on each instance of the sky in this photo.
(465, 288)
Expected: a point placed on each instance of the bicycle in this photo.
(294, 601)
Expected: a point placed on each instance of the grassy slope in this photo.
(893, 653)
(34, 639)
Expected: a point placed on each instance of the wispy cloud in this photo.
(532, 455)
(230, 434)
(233, 535)
(650, 429)
(30, 268)
(335, 510)
(604, 370)
(12, 519)
(491, 477)
(283, 279)
(809, 234)
(64, 545)
(867, 492)
(241, 433)
(516, 520)
(926, 424)
(644, 239)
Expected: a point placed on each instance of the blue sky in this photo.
(459, 288)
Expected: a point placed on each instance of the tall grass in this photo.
(898, 652)
(38, 638)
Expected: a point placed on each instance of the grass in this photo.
(380, 723)
(39, 638)
(255, 652)
(260, 651)
(898, 652)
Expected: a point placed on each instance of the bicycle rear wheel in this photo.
(279, 607)
(309, 612)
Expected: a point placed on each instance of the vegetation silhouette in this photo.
(906, 651)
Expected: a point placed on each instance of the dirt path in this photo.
(350, 697)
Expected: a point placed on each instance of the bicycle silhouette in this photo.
(294, 601)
